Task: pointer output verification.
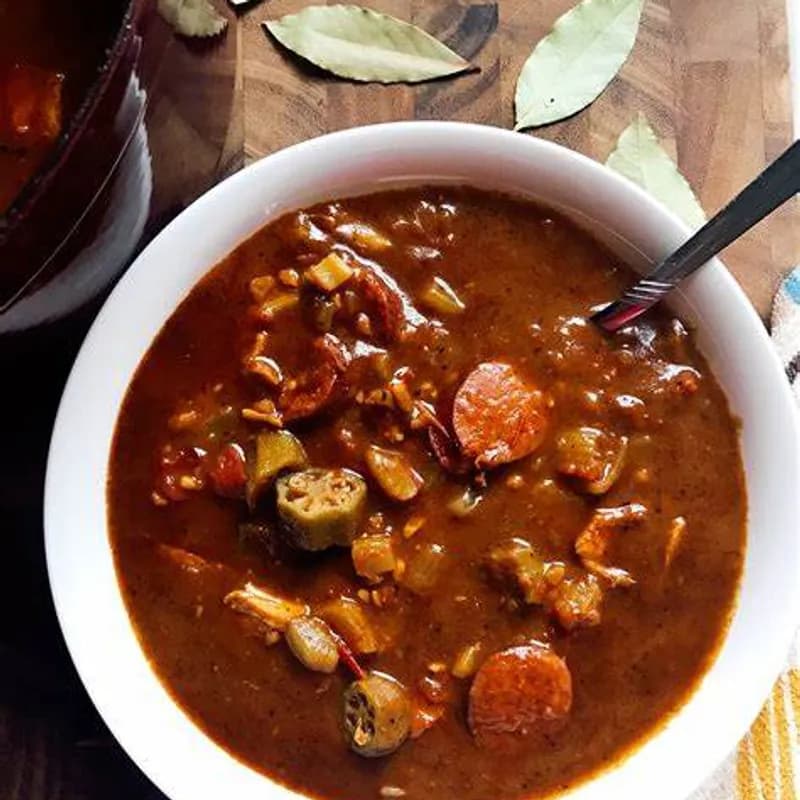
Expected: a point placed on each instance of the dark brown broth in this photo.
(515, 266)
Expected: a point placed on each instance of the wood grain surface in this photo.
(712, 76)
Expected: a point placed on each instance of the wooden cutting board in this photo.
(711, 75)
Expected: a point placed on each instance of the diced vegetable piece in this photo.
(289, 277)
(311, 640)
(276, 451)
(393, 473)
(424, 568)
(275, 303)
(517, 689)
(321, 508)
(346, 616)
(377, 715)
(576, 602)
(675, 536)
(274, 611)
(330, 273)
(413, 525)
(373, 557)
(402, 394)
(364, 237)
(263, 411)
(261, 286)
(514, 564)
(424, 716)
(440, 297)
(498, 417)
(228, 474)
(464, 503)
(593, 457)
(466, 662)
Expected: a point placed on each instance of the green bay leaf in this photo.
(192, 17)
(364, 45)
(640, 157)
(572, 65)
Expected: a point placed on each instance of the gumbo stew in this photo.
(393, 520)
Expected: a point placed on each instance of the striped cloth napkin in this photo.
(766, 764)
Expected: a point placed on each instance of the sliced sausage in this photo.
(315, 387)
(518, 689)
(310, 392)
(498, 417)
(385, 305)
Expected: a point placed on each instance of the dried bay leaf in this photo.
(364, 45)
(572, 65)
(640, 157)
(192, 17)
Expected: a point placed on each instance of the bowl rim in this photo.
(149, 758)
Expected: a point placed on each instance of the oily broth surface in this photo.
(527, 277)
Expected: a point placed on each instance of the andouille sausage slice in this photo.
(385, 304)
(316, 386)
(498, 416)
(517, 689)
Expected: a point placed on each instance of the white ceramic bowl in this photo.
(176, 755)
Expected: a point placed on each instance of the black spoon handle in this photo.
(773, 187)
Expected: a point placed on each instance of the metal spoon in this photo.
(773, 187)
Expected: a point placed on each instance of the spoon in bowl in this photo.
(773, 187)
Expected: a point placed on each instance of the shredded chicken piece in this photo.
(616, 576)
(274, 611)
(594, 540)
(675, 535)
(185, 559)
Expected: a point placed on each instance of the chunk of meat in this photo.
(576, 602)
(514, 564)
(447, 452)
(593, 542)
(498, 417)
(596, 536)
(517, 689)
(272, 610)
(30, 106)
(384, 303)
(591, 457)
